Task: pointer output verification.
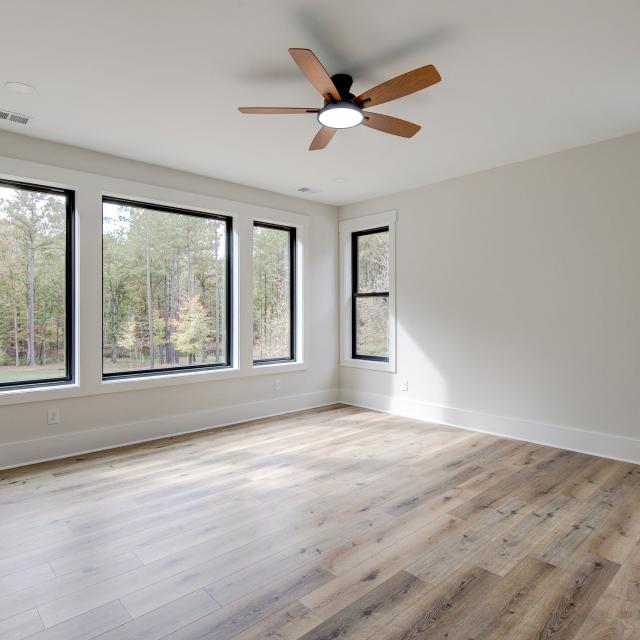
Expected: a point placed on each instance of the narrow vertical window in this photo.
(370, 294)
(166, 289)
(274, 262)
(36, 285)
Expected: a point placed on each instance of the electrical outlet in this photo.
(404, 385)
(277, 384)
(53, 416)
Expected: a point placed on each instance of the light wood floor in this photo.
(332, 523)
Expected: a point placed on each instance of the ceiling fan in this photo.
(343, 110)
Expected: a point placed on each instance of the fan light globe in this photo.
(340, 115)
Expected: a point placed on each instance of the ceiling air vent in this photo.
(11, 116)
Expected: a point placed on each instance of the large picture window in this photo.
(36, 285)
(370, 294)
(166, 289)
(273, 293)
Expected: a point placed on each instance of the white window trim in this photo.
(89, 189)
(347, 227)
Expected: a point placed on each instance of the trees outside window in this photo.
(36, 262)
(273, 293)
(166, 289)
(370, 294)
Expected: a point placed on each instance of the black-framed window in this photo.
(166, 289)
(36, 285)
(274, 293)
(370, 294)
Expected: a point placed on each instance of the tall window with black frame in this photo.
(370, 294)
(36, 284)
(274, 293)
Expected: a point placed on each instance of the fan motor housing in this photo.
(343, 82)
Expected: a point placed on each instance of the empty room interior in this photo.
(320, 321)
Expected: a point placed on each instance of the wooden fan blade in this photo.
(400, 86)
(322, 139)
(388, 124)
(315, 72)
(278, 109)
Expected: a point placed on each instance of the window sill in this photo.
(119, 385)
(373, 365)
(39, 393)
(275, 367)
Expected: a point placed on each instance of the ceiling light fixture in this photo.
(19, 87)
(342, 109)
(340, 115)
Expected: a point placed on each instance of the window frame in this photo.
(69, 274)
(293, 303)
(347, 317)
(356, 295)
(229, 319)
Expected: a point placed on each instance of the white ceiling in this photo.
(161, 82)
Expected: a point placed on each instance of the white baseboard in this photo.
(616, 447)
(17, 454)
(604, 445)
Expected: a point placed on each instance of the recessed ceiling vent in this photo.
(11, 116)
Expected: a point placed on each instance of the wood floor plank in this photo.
(234, 574)
(503, 614)
(369, 613)
(390, 533)
(242, 582)
(166, 619)
(617, 612)
(21, 625)
(65, 586)
(599, 626)
(503, 553)
(87, 625)
(508, 486)
(366, 576)
(289, 623)
(336, 522)
(449, 555)
(429, 617)
(255, 607)
(595, 524)
(620, 532)
(25, 579)
(563, 609)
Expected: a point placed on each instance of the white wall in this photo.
(518, 307)
(518, 301)
(94, 417)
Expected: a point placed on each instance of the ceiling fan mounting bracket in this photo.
(343, 82)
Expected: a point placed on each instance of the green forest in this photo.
(32, 285)
(164, 281)
(164, 289)
(271, 293)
